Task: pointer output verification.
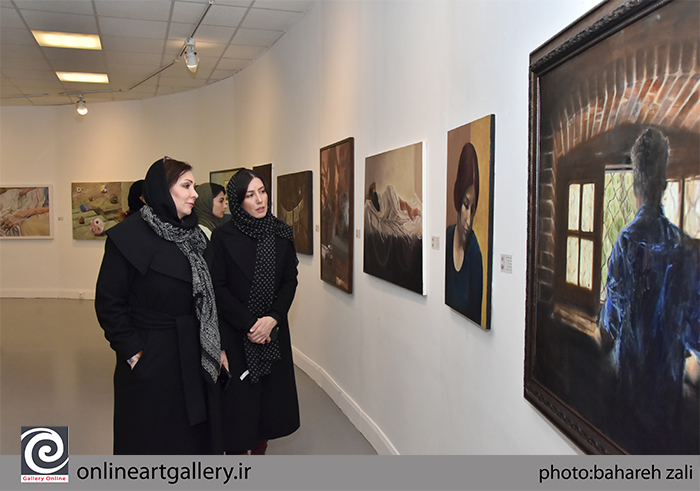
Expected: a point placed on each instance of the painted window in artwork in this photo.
(579, 248)
(691, 207)
(619, 208)
(671, 202)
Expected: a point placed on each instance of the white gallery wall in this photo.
(413, 375)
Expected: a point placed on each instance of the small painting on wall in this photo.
(295, 208)
(337, 216)
(25, 212)
(97, 207)
(393, 237)
(222, 177)
(265, 171)
(469, 236)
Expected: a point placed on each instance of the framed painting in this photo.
(97, 207)
(26, 212)
(469, 219)
(612, 320)
(393, 238)
(222, 178)
(295, 208)
(337, 215)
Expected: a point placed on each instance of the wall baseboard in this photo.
(350, 408)
(34, 293)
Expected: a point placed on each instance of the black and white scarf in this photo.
(192, 244)
(260, 357)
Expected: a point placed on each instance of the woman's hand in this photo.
(260, 332)
(224, 360)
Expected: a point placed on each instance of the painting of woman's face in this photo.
(466, 214)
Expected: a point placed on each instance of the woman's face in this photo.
(466, 214)
(255, 201)
(219, 207)
(183, 194)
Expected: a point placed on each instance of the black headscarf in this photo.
(259, 357)
(157, 195)
(161, 214)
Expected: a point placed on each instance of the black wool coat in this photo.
(144, 302)
(268, 408)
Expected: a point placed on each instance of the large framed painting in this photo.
(26, 212)
(469, 218)
(97, 207)
(612, 322)
(295, 208)
(393, 238)
(337, 215)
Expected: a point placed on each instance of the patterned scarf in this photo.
(192, 244)
(260, 357)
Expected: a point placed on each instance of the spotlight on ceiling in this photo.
(191, 58)
(81, 107)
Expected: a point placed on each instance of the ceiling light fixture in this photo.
(191, 58)
(81, 107)
(92, 78)
(67, 40)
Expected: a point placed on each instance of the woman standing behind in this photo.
(210, 206)
(155, 301)
(255, 279)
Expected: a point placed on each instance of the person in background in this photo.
(155, 302)
(135, 199)
(255, 280)
(210, 206)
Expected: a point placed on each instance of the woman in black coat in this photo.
(155, 301)
(255, 279)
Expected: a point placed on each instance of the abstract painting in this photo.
(97, 207)
(337, 216)
(25, 212)
(469, 218)
(613, 297)
(393, 235)
(295, 208)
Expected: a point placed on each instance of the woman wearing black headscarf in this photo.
(155, 301)
(255, 279)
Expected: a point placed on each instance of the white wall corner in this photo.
(374, 434)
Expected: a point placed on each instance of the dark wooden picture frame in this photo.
(621, 69)
(295, 208)
(337, 163)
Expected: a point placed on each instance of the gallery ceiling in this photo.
(139, 38)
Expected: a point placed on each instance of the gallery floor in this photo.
(56, 370)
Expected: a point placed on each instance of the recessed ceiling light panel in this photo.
(92, 78)
(67, 40)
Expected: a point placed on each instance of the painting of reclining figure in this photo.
(393, 237)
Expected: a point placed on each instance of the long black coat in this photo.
(144, 303)
(269, 408)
